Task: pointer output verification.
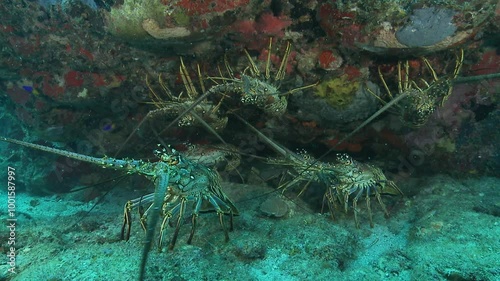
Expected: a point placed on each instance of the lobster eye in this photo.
(173, 161)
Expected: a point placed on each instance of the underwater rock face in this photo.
(362, 105)
(427, 26)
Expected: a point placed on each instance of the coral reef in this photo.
(380, 26)
(181, 26)
(126, 20)
(81, 75)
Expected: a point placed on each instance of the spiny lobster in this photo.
(177, 181)
(251, 85)
(257, 88)
(345, 178)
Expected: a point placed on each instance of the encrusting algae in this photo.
(338, 92)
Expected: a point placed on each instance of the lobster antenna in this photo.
(367, 121)
(160, 192)
(477, 78)
(286, 152)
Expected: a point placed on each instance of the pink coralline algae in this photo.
(204, 7)
(256, 32)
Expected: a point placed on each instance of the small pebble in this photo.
(274, 207)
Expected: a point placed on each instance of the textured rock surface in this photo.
(362, 106)
(426, 27)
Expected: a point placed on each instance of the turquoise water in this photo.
(317, 115)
